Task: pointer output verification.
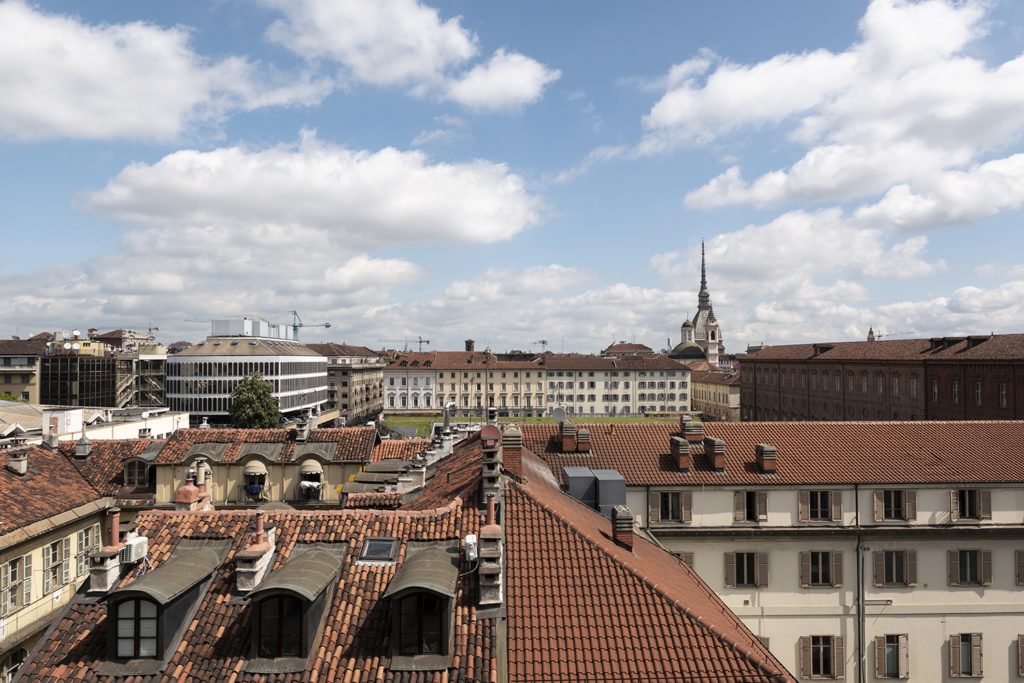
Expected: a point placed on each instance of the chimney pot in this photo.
(766, 457)
(714, 449)
(693, 431)
(622, 526)
(569, 436)
(18, 463)
(114, 527)
(680, 449)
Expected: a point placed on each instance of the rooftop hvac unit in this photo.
(135, 550)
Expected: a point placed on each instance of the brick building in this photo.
(946, 378)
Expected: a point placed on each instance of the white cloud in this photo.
(506, 82)
(363, 199)
(60, 77)
(500, 284)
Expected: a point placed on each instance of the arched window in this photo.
(421, 624)
(280, 626)
(136, 628)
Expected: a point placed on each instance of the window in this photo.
(965, 655)
(669, 506)
(977, 393)
(56, 564)
(935, 390)
(280, 626)
(821, 568)
(136, 473)
(956, 392)
(746, 570)
(892, 656)
(10, 665)
(88, 543)
(136, 628)
(822, 657)
(421, 624)
(750, 506)
(969, 567)
(1002, 394)
(894, 567)
(895, 505)
(15, 584)
(896, 386)
(379, 549)
(820, 506)
(970, 504)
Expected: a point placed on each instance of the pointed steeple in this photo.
(703, 297)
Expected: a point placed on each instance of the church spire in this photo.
(704, 297)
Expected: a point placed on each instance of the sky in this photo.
(513, 172)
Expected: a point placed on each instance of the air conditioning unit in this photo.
(135, 550)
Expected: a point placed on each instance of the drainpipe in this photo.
(860, 588)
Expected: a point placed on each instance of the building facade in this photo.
(716, 394)
(19, 366)
(948, 378)
(355, 381)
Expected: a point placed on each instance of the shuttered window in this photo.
(665, 507)
(969, 567)
(749, 506)
(1019, 567)
(822, 657)
(56, 564)
(819, 506)
(15, 584)
(821, 568)
(891, 505)
(894, 567)
(965, 655)
(892, 656)
(970, 504)
(746, 569)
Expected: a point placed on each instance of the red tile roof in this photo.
(33, 346)
(333, 349)
(984, 347)
(354, 443)
(104, 468)
(403, 449)
(715, 377)
(582, 608)
(808, 452)
(51, 486)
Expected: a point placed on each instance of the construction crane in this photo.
(543, 344)
(297, 323)
(418, 340)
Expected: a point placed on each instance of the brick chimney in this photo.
(622, 526)
(105, 564)
(766, 457)
(17, 462)
(693, 431)
(492, 548)
(253, 561)
(583, 440)
(512, 450)
(490, 479)
(680, 449)
(568, 437)
(714, 449)
(192, 498)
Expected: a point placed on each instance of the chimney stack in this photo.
(766, 457)
(17, 462)
(492, 590)
(569, 436)
(302, 429)
(469, 345)
(622, 526)
(680, 449)
(490, 480)
(693, 431)
(512, 450)
(83, 447)
(191, 498)
(253, 561)
(105, 564)
(714, 449)
(205, 424)
(583, 440)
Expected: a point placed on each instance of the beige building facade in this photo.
(355, 381)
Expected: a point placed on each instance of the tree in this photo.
(253, 406)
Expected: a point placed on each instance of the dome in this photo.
(687, 323)
(687, 351)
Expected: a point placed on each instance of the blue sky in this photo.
(511, 172)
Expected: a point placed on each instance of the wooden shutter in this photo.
(910, 567)
(762, 569)
(805, 656)
(985, 499)
(838, 657)
(910, 505)
(904, 657)
(879, 499)
(5, 579)
(835, 499)
(686, 503)
(804, 506)
(739, 506)
(653, 508)
(762, 506)
(985, 557)
(730, 570)
(837, 568)
(26, 584)
(878, 567)
(953, 567)
(1020, 654)
(65, 566)
(954, 655)
(954, 507)
(1019, 564)
(879, 656)
(976, 668)
(805, 569)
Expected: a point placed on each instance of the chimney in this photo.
(301, 430)
(105, 564)
(492, 591)
(83, 447)
(693, 431)
(490, 480)
(469, 345)
(51, 440)
(569, 436)
(714, 449)
(583, 440)
(622, 526)
(253, 561)
(205, 424)
(190, 498)
(512, 450)
(17, 462)
(766, 457)
(680, 449)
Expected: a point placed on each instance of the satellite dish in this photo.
(558, 414)
(145, 414)
(67, 345)
(76, 346)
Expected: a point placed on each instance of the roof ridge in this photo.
(753, 658)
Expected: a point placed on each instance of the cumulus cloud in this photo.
(61, 77)
(405, 43)
(362, 198)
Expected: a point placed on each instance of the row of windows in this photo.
(16, 573)
(890, 505)
(244, 368)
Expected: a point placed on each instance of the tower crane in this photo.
(297, 323)
(543, 344)
(418, 340)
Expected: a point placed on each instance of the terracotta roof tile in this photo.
(52, 485)
(982, 347)
(808, 452)
(354, 443)
(403, 449)
(104, 467)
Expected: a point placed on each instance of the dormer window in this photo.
(137, 629)
(422, 611)
(280, 626)
(421, 624)
(136, 474)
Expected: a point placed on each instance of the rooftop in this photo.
(343, 443)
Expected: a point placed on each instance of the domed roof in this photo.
(687, 323)
(687, 351)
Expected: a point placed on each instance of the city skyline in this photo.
(513, 173)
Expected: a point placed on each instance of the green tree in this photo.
(253, 406)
